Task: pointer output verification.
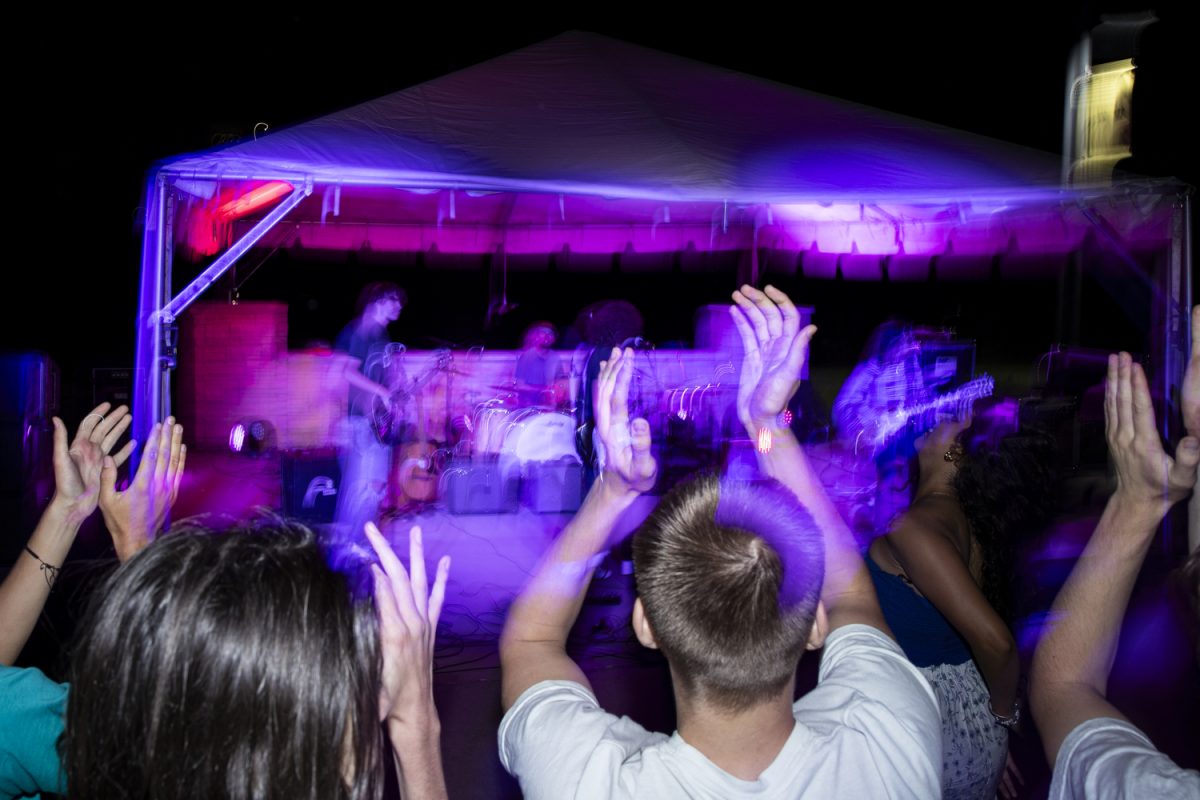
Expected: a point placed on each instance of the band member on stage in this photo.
(364, 459)
(539, 370)
(887, 380)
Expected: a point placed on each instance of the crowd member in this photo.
(85, 475)
(225, 664)
(1095, 751)
(239, 664)
(943, 577)
(734, 582)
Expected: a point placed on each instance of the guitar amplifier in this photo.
(311, 480)
(553, 487)
(479, 488)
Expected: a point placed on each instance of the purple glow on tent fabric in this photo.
(583, 147)
(885, 165)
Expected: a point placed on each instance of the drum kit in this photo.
(514, 430)
(522, 425)
(511, 427)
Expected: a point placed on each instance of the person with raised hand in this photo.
(239, 663)
(775, 349)
(729, 585)
(408, 612)
(533, 644)
(1094, 749)
(84, 475)
(77, 479)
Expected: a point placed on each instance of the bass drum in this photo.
(538, 435)
(489, 424)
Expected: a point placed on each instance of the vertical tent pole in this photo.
(147, 388)
(167, 358)
(1177, 338)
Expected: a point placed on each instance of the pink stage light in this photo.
(208, 226)
(253, 200)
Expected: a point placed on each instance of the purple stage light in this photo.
(237, 438)
(252, 437)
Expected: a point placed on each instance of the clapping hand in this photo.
(77, 468)
(775, 350)
(135, 515)
(1146, 475)
(408, 618)
(628, 463)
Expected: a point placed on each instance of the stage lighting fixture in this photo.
(252, 437)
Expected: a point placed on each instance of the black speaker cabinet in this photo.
(311, 480)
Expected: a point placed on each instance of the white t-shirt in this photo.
(869, 729)
(1109, 758)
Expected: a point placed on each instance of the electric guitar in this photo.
(887, 424)
(388, 418)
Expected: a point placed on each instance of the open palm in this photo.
(775, 349)
(626, 443)
(1145, 472)
(77, 467)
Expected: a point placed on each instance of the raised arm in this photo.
(1073, 660)
(775, 350)
(408, 617)
(533, 645)
(76, 491)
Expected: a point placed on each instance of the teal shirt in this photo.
(32, 712)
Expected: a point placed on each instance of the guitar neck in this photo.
(977, 389)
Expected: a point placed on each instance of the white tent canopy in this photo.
(584, 144)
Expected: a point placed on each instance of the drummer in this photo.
(539, 376)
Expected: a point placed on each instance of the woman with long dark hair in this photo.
(238, 664)
(943, 575)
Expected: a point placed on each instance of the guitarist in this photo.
(364, 460)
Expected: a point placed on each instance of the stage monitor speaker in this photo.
(553, 487)
(311, 481)
(472, 488)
